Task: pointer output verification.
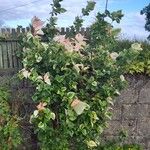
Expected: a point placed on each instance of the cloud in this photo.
(132, 26)
(11, 12)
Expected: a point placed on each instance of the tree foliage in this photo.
(146, 11)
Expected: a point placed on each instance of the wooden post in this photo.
(13, 33)
(23, 30)
(62, 32)
(82, 31)
(1, 55)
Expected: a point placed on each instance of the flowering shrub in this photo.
(75, 83)
(140, 65)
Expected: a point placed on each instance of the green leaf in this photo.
(45, 45)
(41, 125)
(91, 144)
(62, 10)
(78, 23)
(84, 132)
(71, 95)
(100, 129)
(71, 115)
(90, 6)
(94, 83)
(53, 116)
(63, 89)
(35, 113)
(38, 58)
(59, 78)
(116, 16)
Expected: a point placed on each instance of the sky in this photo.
(20, 12)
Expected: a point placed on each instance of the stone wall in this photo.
(132, 112)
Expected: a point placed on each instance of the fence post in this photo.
(23, 30)
(13, 33)
(62, 31)
(3, 31)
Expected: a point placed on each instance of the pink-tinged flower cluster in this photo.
(71, 45)
(37, 25)
(46, 78)
(41, 106)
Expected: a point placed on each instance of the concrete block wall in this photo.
(132, 112)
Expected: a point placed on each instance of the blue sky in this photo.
(132, 24)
